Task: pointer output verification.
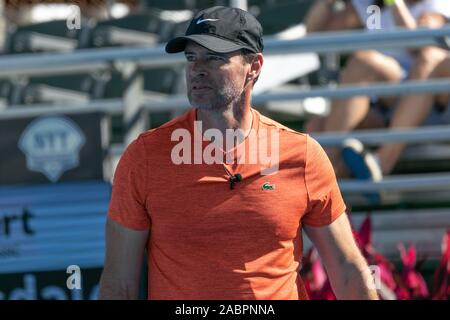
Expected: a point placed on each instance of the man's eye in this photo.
(215, 58)
(189, 58)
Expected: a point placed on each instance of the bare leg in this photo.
(364, 67)
(371, 121)
(321, 17)
(412, 110)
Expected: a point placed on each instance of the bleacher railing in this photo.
(89, 59)
(348, 41)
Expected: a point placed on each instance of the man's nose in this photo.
(198, 69)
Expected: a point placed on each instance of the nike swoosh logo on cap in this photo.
(204, 20)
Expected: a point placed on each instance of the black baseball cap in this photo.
(221, 29)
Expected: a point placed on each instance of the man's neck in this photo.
(235, 118)
(240, 120)
(225, 119)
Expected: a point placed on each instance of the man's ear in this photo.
(255, 68)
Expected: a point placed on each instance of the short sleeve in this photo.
(128, 199)
(325, 203)
(438, 6)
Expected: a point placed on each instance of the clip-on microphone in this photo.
(235, 179)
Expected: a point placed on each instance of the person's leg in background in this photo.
(322, 17)
(412, 110)
(363, 67)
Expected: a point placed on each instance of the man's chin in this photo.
(202, 105)
(206, 107)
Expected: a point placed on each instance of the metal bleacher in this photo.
(118, 67)
(293, 13)
(46, 37)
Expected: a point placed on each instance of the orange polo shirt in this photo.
(208, 241)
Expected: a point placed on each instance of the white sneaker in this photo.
(363, 165)
(361, 162)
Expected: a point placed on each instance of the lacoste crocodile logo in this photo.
(268, 186)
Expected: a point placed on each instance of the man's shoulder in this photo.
(270, 123)
(165, 130)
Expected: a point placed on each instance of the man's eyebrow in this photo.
(188, 52)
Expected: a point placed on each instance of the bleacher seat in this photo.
(177, 30)
(134, 29)
(84, 87)
(80, 87)
(46, 36)
(67, 87)
(179, 4)
(6, 89)
(109, 85)
(161, 80)
(293, 13)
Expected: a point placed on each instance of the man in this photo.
(227, 229)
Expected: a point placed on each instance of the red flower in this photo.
(441, 283)
(316, 279)
(412, 279)
(363, 237)
(409, 284)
